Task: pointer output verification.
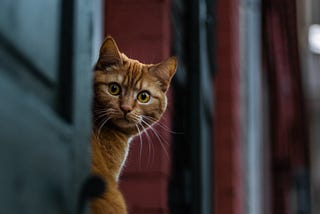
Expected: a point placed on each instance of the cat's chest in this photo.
(126, 152)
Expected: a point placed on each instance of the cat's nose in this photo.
(126, 108)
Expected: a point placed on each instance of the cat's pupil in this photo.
(143, 96)
(114, 88)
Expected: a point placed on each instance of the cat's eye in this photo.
(143, 97)
(114, 89)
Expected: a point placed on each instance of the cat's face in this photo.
(129, 96)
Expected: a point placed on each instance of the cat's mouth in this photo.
(125, 122)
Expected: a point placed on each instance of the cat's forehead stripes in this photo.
(131, 75)
(107, 77)
(134, 74)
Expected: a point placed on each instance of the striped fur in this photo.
(118, 118)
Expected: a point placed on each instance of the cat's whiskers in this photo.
(98, 112)
(150, 145)
(149, 142)
(140, 138)
(135, 117)
(138, 118)
(102, 124)
(146, 125)
(155, 131)
(105, 115)
(100, 115)
(161, 125)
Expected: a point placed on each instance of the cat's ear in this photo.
(164, 71)
(109, 53)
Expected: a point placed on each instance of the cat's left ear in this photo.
(164, 71)
(109, 53)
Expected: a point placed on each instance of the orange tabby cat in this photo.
(128, 97)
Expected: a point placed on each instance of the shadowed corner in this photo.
(93, 187)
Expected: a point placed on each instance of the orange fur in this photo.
(120, 116)
(108, 155)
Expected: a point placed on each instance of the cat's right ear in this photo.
(109, 53)
(164, 71)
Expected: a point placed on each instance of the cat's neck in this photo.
(110, 150)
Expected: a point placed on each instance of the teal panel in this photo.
(32, 27)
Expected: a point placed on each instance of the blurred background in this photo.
(242, 131)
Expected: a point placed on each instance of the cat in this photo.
(129, 97)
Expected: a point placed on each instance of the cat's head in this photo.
(129, 96)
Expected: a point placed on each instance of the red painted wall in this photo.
(142, 31)
(228, 185)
